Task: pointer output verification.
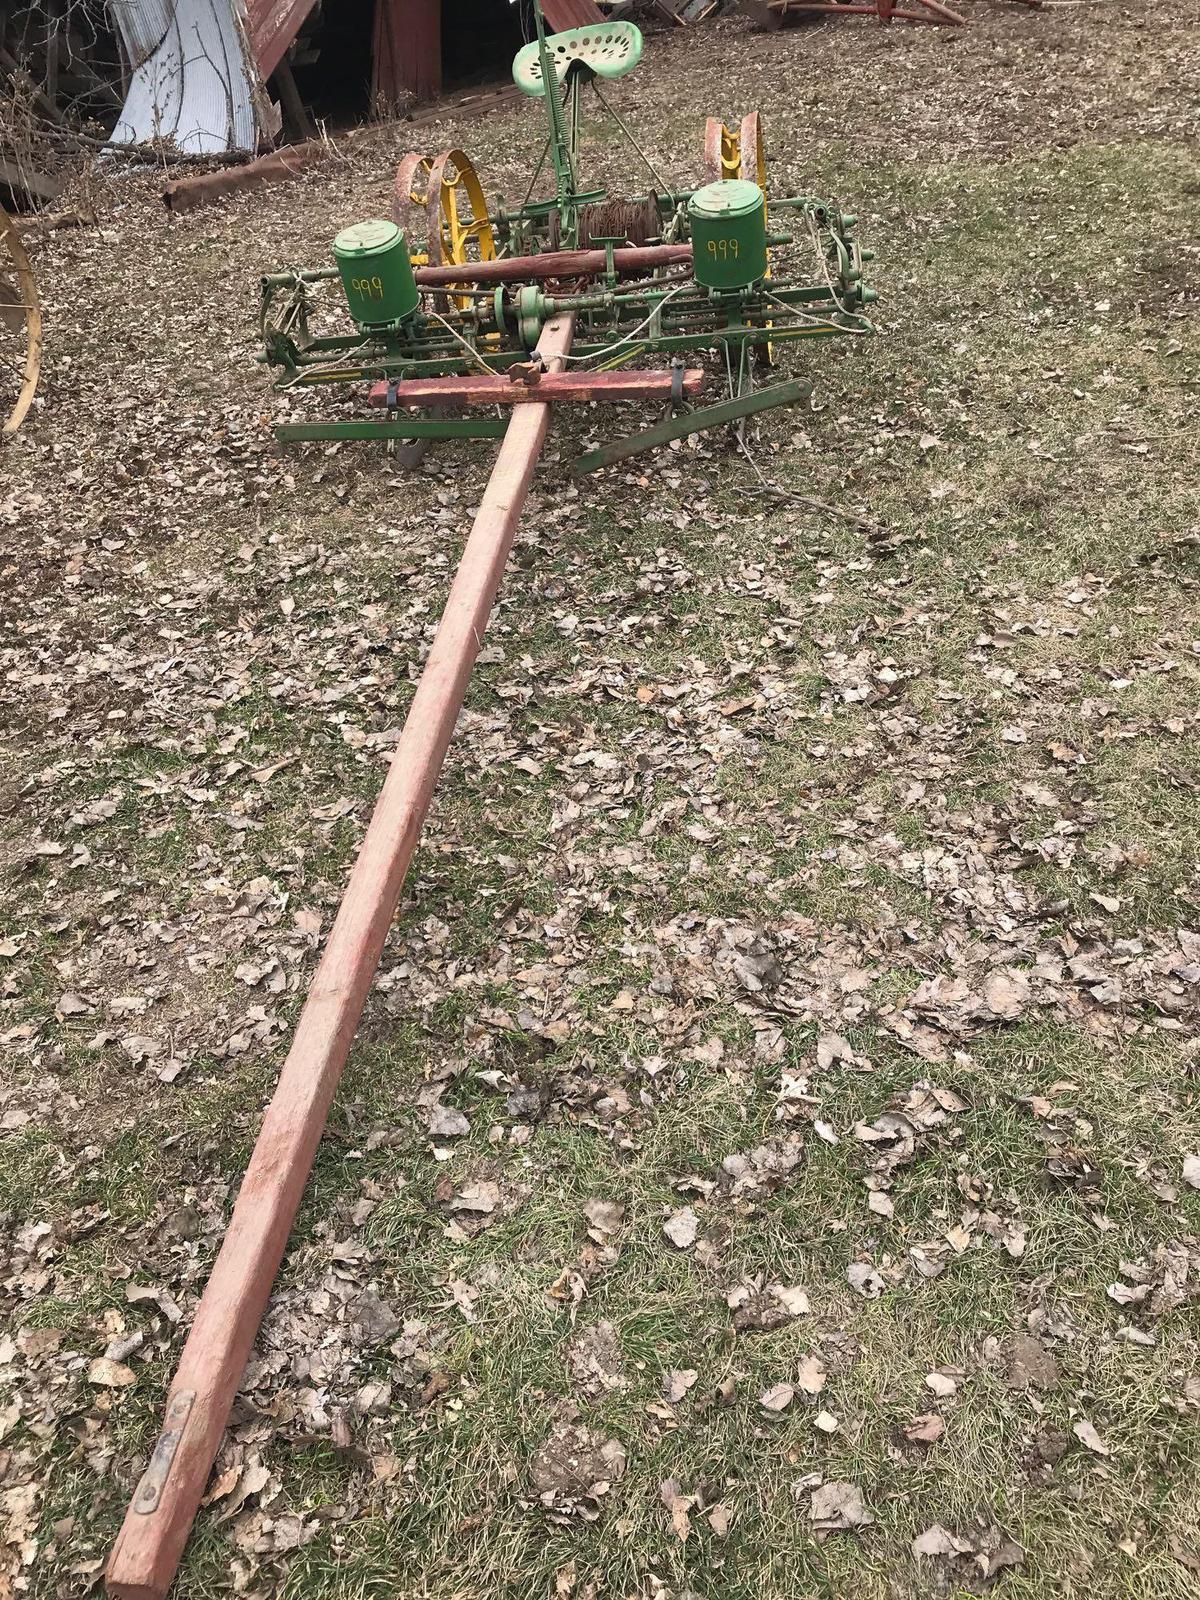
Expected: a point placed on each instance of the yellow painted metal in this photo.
(460, 229)
(722, 151)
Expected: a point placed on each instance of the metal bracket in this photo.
(676, 380)
(149, 1490)
(795, 391)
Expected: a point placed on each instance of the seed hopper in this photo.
(560, 300)
(439, 307)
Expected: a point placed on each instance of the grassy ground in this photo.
(759, 829)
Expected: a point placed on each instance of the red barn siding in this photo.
(562, 14)
(407, 50)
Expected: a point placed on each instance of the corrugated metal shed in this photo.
(143, 26)
(197, 65)
(192, 84)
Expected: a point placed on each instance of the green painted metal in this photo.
(376, 272)
(609, 49)
(745, 297)
(679, 426)
(407, 428)
(729, 234)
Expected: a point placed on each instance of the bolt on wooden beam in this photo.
(151, 1542)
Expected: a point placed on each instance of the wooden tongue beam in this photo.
(160, 1516)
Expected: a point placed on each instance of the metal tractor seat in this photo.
(608, 50)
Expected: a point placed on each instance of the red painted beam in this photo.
(152, 1538)
(483, 389)
(554, 264)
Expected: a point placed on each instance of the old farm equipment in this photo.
(549, 303)
(441, 305)
(20, 328)
(932, 11)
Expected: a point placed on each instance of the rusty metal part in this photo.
(149, 1491)
(752, 153)
(410, 195)
(885, 10)
(151, 1543)
(553, 264)
(20, 324)
(188, 193)
(459, 227)
(634, 222)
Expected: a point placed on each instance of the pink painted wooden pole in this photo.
(160, 1516)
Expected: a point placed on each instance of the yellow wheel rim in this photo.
(459, 227)
(722, 151)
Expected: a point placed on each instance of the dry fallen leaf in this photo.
(447, 1122)
(720, 1519)
(677, 1382)
(678, 1504)
(928, 1428)
(861, 1275)
(604, 1217)
(838, 1507)
(811, 1375)
(108, 1374)
(681, 1227)
(777, 1398)
(1087, 1435)
(793, 1301)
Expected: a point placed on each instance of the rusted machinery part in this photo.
(150, 1544)
(552, 264)
(410, 196)
(460, 228)
(752, 152)
(634, 221)
(884, 10)
(187, 193)
(20, 324)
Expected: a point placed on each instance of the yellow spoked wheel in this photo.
(460, 229)
(20, 328)
(740, 153)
